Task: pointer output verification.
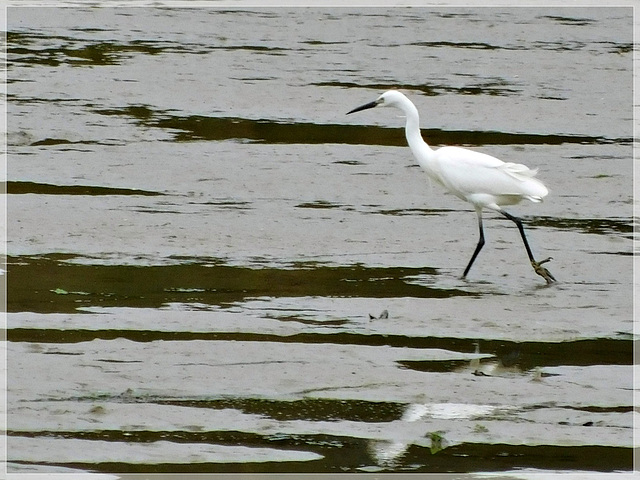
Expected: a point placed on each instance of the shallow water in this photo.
(201, 242)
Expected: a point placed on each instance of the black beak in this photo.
(364, 107)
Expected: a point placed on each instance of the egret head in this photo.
(389, 98)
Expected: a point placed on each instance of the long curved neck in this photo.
(421, 150)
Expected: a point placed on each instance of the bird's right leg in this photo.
(480, 243)
(537, 266)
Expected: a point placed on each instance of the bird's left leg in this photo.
(537, 266)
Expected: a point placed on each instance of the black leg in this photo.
(537, 266)
(478, 247)
(518, 222)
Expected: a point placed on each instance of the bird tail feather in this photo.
(534, 188)
(519, 171)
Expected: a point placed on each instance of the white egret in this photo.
(480, 179)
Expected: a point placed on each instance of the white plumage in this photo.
(475, 177)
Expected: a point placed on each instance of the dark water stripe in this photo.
(79, 52)
(341, 454)
(197, 127)
(589, 225)
(48, 142)
(330, 409)
(525, 355)
(18, 188)
(90, 52)
(307, 409)
(99, 52)
(51, 284)
(494, 87)
(321, 409)
(597, 226)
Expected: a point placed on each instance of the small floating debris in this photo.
(382, 316)
(438, 442)
(62, 291)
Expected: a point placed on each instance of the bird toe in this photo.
(543, 272)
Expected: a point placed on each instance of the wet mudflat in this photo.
(201, 243)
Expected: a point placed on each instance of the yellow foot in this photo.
(543, 272)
